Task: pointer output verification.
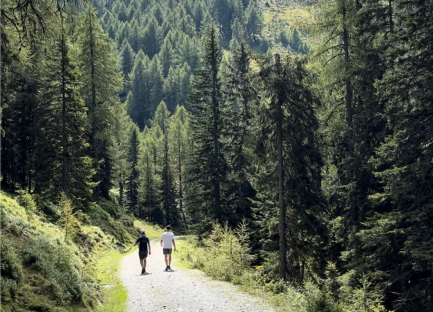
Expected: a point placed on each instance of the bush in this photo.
(60, 265)
(10, 264)
(26, 201)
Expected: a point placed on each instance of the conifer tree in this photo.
(179, 146)
(70, 170)
(168, 196)
(139, 105)
(150, 199)
(101, 83)
(127, 58)
(254, 22)
(208, 174)
(133, 175)
(240, 96)
(288, 144)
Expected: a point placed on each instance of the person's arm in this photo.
(161, 241)
(148, 246)
(135, 243)
(174, 244)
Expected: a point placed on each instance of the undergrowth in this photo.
(225, 255)
(52, 256)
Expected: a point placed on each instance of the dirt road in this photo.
(182, 290)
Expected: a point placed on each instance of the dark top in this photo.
(142, 243)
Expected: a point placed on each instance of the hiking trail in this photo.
(183, 290)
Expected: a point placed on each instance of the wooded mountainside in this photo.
(318, 131)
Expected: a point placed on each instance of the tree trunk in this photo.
(64, 136)
(97, 178)
(281, 204)
(180, 182)
(215, 110)
(391, 21)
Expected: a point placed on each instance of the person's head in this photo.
(168, 228)
(143, 232)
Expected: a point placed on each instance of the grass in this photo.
(107, 272)
(152, 231)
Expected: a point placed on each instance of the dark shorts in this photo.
(167, 251)
(142, 254)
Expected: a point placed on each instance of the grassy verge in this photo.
(107, 271)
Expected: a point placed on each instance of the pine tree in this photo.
(150, 198)
(151, 37)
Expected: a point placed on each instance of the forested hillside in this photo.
(310, 122)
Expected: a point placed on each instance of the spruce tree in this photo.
(240, 96)
(208, 174)
(72, 171)
(287, 143)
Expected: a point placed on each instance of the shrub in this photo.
(59, 264)
(26, 201)
(10, 264)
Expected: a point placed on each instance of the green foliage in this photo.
(226, 254)
(26, 200)
(41, 269)
(68, 220)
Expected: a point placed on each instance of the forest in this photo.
(307, 123)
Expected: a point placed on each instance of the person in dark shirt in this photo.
(143, 248)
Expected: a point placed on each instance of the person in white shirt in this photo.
(168, 244)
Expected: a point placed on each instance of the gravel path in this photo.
(182, 290)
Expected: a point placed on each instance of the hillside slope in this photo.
(45, 268)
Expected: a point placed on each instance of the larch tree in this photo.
(101, 83)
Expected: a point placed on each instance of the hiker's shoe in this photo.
(143, 271)
(166, 268)
(169, 267)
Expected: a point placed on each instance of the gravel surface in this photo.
(182, 290)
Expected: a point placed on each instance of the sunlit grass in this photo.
(152, 231)
(107, 272)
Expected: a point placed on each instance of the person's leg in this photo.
(166, 259)
(144, 263)
(169, 260)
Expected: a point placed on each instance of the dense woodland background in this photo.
(312, 121)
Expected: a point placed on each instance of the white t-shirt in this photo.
(167, 238)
